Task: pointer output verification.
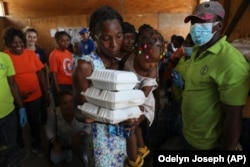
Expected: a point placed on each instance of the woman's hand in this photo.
(82, 118)
(58, 148)
(132, 122)
(89, 120)
(25, 95)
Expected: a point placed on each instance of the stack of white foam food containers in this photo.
(112, 98)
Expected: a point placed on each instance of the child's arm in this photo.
(148, 89)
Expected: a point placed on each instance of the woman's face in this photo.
(31, 38)
(67, 105)
(109, 38)
(17, 46)
(63, 42)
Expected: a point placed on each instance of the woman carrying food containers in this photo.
(107, 143)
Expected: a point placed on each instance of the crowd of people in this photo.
(205, 78)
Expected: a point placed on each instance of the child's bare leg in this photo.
(142, 149)
(139, 137)
(132, 146)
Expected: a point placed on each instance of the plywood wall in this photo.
(166, 16)
(166, 23)
(242, 28)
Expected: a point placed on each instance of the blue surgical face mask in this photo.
(188, 51)
(202, 33)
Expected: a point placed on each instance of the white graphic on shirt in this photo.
(68, 66)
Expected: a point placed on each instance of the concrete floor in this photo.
(33, 161)
(156, 138)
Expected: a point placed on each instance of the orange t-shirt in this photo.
(26, 66)
(61, 63)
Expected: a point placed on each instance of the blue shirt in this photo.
(87, 46)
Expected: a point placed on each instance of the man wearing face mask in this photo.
(216, 84)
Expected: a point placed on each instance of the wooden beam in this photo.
(227, 6)
(242, 8)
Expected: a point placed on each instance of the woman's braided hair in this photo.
(102, 14)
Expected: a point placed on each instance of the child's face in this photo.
(150, 56)
(63, 42)
(66, 105)
(31, 38)
(109, 38)
(128, 42)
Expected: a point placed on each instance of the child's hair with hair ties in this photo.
(147, 38)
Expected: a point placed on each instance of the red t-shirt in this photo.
(61, 63)
(26, 66)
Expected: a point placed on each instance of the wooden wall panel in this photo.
(42, 8)
(160, 6)
(44, 24)
(170, 23)
(166, 16)
(242, 29)
(2, 26)
(138, 19)
(166, 23)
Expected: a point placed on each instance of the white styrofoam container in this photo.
(109, 116)
(113, 79)
(114, 100)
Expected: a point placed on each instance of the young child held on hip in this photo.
(143, 62)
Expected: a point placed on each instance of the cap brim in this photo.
(202, 16)
(82, 32)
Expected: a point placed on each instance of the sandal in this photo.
(137, 163)
(143, 151)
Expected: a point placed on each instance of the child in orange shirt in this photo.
(61, 64)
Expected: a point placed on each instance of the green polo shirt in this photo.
(219, 74)
(6, 98)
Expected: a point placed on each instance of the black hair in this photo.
(149, 37)
(173, 37)
(179, 39)
(10, 33)
(58, 34)
(188, 37)
(218, 18)
(128, 28)
(63, 93)
(145, 27)
(102, 14)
